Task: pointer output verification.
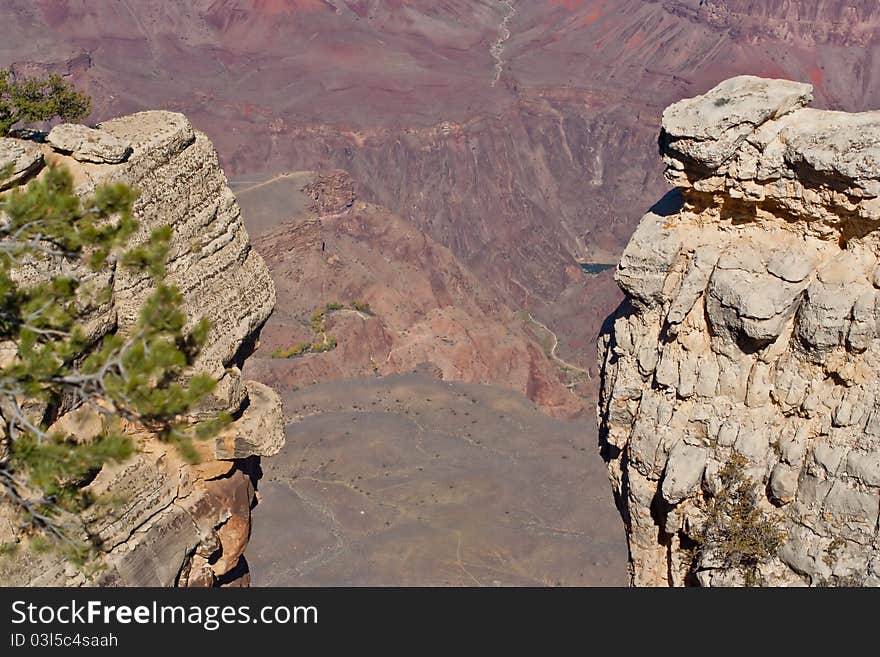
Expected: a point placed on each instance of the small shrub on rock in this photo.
(737, 532)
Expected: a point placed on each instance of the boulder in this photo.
(86, 144)
(684, 470)
(745, 299)
(838, 147)
(784, 482)
(23, 157)
(708, 129)
(259, 431)
(645, 263)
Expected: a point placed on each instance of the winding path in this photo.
(252, 185)
(497, 48)
(553, 355)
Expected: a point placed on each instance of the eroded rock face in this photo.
(161, 521)
(87, 144)
(751, 329)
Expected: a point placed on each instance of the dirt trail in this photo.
(553, 355)
(262, 183)
(497, 48)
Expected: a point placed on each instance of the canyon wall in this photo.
(853, 22)
(424, 308)
(520, 178)
(746, 352)
(157, 520)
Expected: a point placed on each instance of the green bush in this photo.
(292, 352)
(737, 531)
(328, 344)
(317, 321)
(321, 342)
(38, 99)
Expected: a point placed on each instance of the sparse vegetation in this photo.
(321, 343)
(317, 321)
(737, 532)
(38, 99)
(362, 307)
(830, 555)
(544, 340)
(294, 351)
(328, 344)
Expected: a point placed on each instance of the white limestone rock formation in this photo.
(86, 144)
(751, 330)
(169, 523)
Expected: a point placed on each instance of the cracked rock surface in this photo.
(750, 328)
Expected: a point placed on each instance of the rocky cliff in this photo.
(748, 345)
(160, 521)
(853, 22)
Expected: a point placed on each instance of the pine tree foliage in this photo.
(38, 99)
(141, 376)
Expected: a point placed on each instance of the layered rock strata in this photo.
(159, 520)
(750, 331)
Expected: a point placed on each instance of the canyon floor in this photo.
(408, 480)
(402, 466)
